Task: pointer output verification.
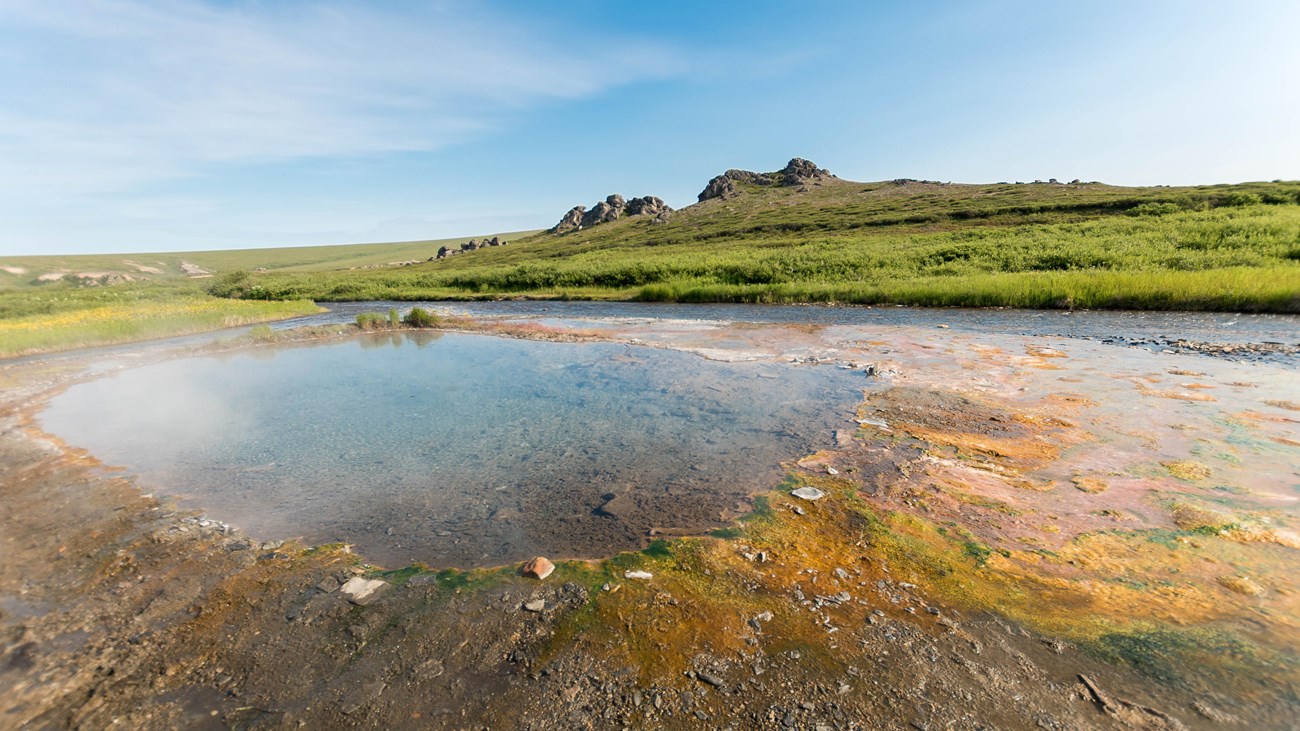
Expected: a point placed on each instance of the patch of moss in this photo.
(658, 548)
(1166, 654)
(1200, 519)
(977, 551)
(399, 577)
(1187, 470)
(762, 510)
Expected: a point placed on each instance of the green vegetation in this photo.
(1037, 245)
(420, 317)
(22, 272)
(62, 316)
(1084, 245)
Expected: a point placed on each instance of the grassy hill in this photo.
(1221, 247)
(18, 272)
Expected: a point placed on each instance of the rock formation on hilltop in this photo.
(611, 209)
(796, 172)
(471, 245)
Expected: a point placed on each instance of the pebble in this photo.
(808, 493)
(713, 680)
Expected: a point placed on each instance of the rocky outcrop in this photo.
(471, 245)
(572, 221)
(797, 172)
(612, 208)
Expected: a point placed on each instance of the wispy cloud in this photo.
(98, 95)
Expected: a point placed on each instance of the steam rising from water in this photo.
(457, 450)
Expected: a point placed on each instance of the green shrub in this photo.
(1154, 209)
(233, 284)
(420, 317)
(393, 319)
(261, 334)
(370, 321)
(1239, 200)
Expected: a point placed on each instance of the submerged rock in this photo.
(537, 568)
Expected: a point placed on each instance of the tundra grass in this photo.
(136, 319)
(23, 272)
(1219, 258)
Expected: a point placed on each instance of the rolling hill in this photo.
(767, 238)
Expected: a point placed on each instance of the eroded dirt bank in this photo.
(1004, 516)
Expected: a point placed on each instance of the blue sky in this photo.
(128, 125)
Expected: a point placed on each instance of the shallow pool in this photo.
(458, 450)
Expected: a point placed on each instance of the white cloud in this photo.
(99, 95)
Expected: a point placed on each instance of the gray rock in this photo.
(571, 221)
(535, 605)
(710, 679)
(612, 208)
(602, 212)
(648, 205)
(720, 186)
(797, 172)
(808, 493)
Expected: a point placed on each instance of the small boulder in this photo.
(362, 591)
(537, 568)
(638, 575)
(808, 493)
(535, 605)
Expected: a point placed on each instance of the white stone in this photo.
(637, 575)
(808, 493)
(362, 591)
